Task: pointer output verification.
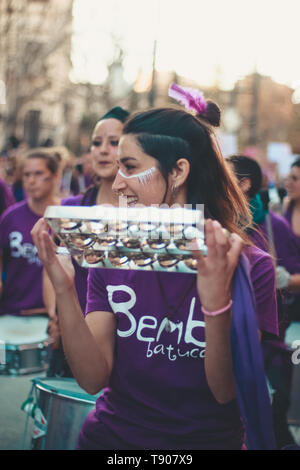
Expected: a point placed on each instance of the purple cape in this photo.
(248, 365)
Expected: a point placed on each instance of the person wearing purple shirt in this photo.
(292, 211)
(272, 234)
(6, 196)
(292, 215)
(158, 344)
(105, 139)
(20, 264)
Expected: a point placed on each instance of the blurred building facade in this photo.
(42, 104)
(35, 49)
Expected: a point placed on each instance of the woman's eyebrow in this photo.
(125, 159)
(111, 136)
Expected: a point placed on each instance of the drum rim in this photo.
(25, 346)
(39, 382)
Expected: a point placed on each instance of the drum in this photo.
(24, 343)
(292, 339)
(59, 407)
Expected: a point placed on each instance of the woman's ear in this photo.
(245, 185)
(179, 174)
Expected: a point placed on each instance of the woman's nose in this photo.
(119, 183)
(104, 147)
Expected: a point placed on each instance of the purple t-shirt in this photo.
(81, 274)
(287, 250)
(6, 196)
(158, 396)
(22, 286)
(288, 216)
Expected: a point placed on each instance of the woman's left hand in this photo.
(216, 270)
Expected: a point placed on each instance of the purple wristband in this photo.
(217, 312)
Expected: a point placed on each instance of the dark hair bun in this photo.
(116, 113)
(212, 114)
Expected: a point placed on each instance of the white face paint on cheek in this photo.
(144, 177)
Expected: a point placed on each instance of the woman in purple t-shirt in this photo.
(159, 342)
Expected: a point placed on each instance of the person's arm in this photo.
(49, 299)
(215, 272)
(88, 343)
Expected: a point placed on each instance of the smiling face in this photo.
(293, 183)
(139, 180)
(105, 140)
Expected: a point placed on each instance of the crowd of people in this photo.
(163, 388)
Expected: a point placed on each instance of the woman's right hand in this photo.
(59, 267)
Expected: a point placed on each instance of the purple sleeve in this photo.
(7, 198)
(71, 200)
(3, 229)
(287, 251)
(97, 298)
(264, 286)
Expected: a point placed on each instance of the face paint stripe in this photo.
(142, 177)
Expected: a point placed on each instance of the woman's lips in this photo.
(130, 200)
(104, 163)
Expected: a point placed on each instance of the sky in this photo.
(200, 40)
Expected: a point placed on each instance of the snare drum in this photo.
(60, 409)
(25, 344)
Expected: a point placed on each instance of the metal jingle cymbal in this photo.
(80, 241)
(94, 257)
(67, 224)
(190, 262)
(117, 259)
(131, 242)
(167, 261)
(142, 259)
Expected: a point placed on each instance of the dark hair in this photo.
(246, 167)
(296, 163)
(169, 134)
(52, 157)
(116, 113)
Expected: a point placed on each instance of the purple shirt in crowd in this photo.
(22, 286)
(287, 250)
(6, 196)
(288, 215)
(158, 396)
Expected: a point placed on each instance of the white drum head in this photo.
(23, 330)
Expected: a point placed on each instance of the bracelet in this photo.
(217, 312)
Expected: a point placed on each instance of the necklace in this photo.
(172, 311)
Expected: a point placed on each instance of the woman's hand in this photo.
(59, 267)
(216, 270)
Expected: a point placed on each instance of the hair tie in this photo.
(192, 99)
